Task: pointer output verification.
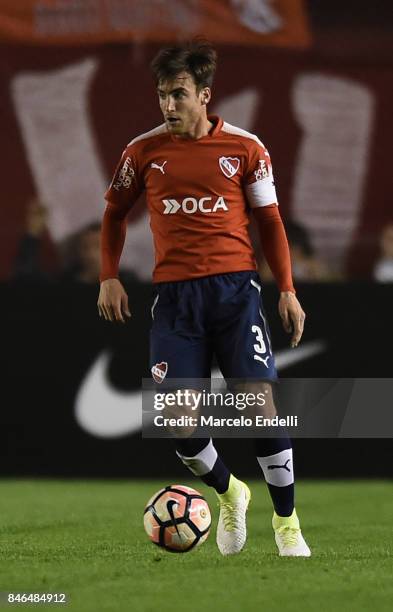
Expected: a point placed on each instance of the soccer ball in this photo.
(177, 518)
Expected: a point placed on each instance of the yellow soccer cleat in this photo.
(288, 536)
(231, 529)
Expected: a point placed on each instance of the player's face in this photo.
(182, 106)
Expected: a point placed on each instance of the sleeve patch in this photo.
(262, 171)
(125, 175)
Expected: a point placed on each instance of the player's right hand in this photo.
(113, 301)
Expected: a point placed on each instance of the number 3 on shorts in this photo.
(260, 346)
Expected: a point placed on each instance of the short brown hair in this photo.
(197, 57)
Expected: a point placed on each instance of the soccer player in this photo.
(203, 177)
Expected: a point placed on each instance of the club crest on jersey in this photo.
(229, 165)
(159, 371)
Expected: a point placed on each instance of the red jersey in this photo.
(199, 194)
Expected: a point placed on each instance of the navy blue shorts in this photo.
(219, 315)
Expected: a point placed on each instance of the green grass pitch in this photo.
(86, 539)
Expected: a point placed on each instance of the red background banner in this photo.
(67, 114)
(75, 22)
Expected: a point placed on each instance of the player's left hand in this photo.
(292, 316)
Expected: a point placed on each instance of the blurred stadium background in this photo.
(314, 80)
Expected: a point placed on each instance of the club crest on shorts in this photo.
(159, 371)
(229, 165)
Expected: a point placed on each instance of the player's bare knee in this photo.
(258, 397)
(181, 412)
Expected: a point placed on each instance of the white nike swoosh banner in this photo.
(104, 412)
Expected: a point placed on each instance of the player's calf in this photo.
(181, 412)
(201, 458)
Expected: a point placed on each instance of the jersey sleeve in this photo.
(122, 194)
(258, 177)
(275, 245)
(127, 182)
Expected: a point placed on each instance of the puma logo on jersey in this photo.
(192, 205)
(229, 165)
(158, 167)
